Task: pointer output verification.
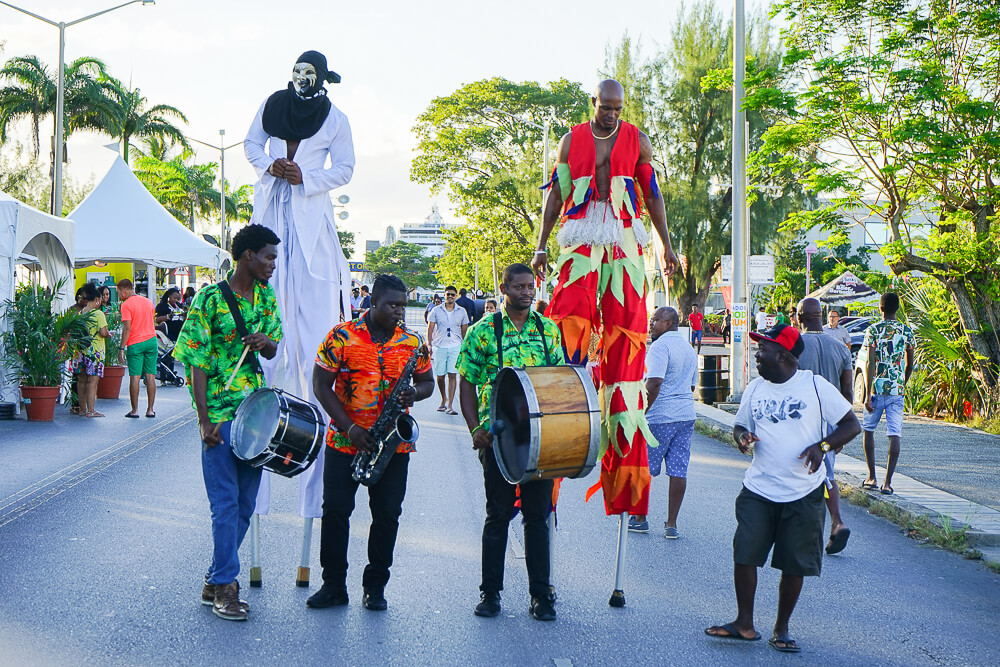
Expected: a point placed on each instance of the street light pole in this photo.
(222, 148)
(740, 229)
(57, 171)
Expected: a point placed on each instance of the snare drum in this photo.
(277, 431)
(547, 422)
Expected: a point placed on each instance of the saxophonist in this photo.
(357, 366)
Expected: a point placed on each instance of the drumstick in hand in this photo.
(229, 383)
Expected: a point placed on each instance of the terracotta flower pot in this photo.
(110, 385)
(40, 402)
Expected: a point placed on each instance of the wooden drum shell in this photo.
(565, 423)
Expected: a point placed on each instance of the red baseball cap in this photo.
(784, 335)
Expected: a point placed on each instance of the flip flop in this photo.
(871, 486)
(132, 416)
(886, 490)
(789, 645)
(98, 414)
(838, 541)
(442, 409)
(450, 412)
(733, 633)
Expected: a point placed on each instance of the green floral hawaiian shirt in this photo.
(887, 342)
(209, 341)
(478, 362)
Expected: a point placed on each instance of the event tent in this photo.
(120, 221)
(846, 288)
(28, 235)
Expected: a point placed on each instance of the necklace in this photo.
(617, 125)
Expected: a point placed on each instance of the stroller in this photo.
(165, 361)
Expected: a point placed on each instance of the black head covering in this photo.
(293, 118)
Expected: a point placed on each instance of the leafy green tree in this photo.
(405, 260)
(31, 94)
(347, 242)
(892, 109)
(490, 164)
(689, 121)
(131, 118)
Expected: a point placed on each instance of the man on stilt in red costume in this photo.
(602, 178)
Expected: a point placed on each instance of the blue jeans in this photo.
(231, 486)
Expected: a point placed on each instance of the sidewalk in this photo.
(982, 523)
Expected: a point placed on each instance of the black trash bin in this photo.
(713, 379)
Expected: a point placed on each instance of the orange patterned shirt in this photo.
(366, 373)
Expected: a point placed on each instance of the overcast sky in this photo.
(217, 61)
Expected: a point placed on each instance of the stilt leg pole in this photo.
(255, 578)
(302, 579)
(552, 554)
(618, 595)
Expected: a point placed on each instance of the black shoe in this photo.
(489, 604)
(542, 609)
(327, 596)
(374, 600)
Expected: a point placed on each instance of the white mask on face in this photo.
(304, 78)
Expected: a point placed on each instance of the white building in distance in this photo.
(429, 234)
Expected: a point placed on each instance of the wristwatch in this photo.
(824, 446)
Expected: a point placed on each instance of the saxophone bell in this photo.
(368, 467)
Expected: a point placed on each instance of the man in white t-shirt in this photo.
(761, 319)
(446, 327)
(783, 416)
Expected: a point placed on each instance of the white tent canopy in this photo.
(27, 234)
(120, 221)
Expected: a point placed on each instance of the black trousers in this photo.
(536, 501)
(385, 499)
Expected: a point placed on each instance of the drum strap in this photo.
(241, 325)
(498, 332)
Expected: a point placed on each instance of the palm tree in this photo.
(32, 94)
(131, 118)
(185, 190)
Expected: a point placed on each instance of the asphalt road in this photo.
(104, 537)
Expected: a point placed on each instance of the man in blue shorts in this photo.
(890, 346)
(671, 373)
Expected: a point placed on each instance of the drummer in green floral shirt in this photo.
(210, 347)
(527, 339)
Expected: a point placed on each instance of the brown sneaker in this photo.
(227, 602)
(208, 596)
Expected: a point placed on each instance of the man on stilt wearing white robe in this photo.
(301, 147)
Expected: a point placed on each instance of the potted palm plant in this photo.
(110, 385)
(37, 344)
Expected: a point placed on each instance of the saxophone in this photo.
(367, 467)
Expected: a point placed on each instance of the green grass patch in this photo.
(713, 431)
(916, 526)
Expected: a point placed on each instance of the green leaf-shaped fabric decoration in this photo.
(580, 186)
(565, 179)
(618, 193)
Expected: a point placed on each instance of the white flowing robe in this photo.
(312, 280)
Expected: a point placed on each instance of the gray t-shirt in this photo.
(672, 358)
(840, 333)
(825, 356)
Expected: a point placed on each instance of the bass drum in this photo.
(546, 421)
(277, 431)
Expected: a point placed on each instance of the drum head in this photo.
(255, 423)
(512, 408)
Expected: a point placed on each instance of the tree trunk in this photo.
(976, 309)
